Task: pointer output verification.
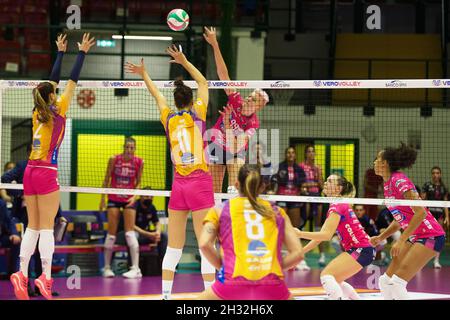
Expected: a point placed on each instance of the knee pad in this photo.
(171, 259)
(109, 241)
(132, 241)
(205, 266)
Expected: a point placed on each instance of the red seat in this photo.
(36, 35)
(10, 46)
(35, 17)
(95, 9)
(151, 9)
(38, 62)
(37, 46)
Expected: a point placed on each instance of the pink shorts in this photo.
(251, 292)
(193, 192)
(39, 181)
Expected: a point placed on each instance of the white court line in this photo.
(377, 296)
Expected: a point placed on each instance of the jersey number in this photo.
(36, 134)
(183, 138)
(253, 226)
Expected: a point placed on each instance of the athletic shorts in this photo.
(40, 180)
(217, 155)
(251, 292)
(192, 192)
(433, 243)
(121, 205)
(364, 256)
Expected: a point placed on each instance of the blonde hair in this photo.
(41, 96)
(250, 184)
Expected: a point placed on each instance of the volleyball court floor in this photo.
(305, 285)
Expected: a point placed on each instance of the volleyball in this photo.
(177, 20)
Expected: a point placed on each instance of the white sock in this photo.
(436, 259)
(322, 255)
(349, 291)
(167, 289)
(207, 284)
(399, 291)
(108, 251)
(384, 283)
(332, 288)
(27, 248)
(133, 244)
(46, 250)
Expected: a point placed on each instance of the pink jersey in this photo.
(312, 175)
(239, 123)
(394, 188)
(350, 231)
(124, 176)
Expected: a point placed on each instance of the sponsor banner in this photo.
(280, 84)
(396, 84)
(344, 83)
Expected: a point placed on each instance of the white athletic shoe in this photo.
(303, 266)
(437, 265)
(232, 189)
(133, 273)
(108, 273)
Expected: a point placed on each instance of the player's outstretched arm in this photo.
(140, 70)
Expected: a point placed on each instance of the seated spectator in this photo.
(383, 221)
(3, 194)
(371, 229)
(436, 190)
(148, 227)
(9, 237)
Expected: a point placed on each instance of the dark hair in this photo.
(129, 139)
(41, 96)
(307, 147)
(182, 94)
(286, 151)
(347, 186)
(399, 158)
(440, 179)
(251, 184)
(360, 205)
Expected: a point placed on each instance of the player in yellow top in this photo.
(40, 181)
(251, 233)
(192, 188)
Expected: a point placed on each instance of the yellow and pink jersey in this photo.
(250, 243)
(184, 131)
(47, 137)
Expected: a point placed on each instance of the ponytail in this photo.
(41, 96)
(348, 190)
(250, 182)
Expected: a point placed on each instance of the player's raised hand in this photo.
(210, 35)
(135, 68)
(177, 55)
(86, 43)
(61, 42)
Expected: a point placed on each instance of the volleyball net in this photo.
(347, 122)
